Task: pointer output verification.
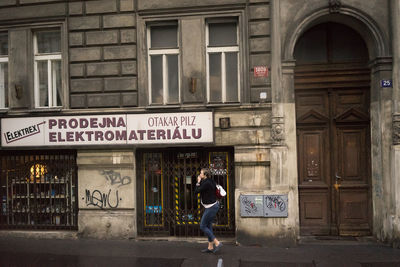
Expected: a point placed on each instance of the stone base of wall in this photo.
(263, 231)
(106, 224)
(40, 234)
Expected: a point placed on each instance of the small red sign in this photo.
(260, 71)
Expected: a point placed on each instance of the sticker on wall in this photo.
(251, 206)
(264, 206)
(276, 206)
(261, 71)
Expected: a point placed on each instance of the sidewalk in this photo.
(152, 253)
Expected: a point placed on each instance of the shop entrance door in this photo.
(167, 180)
(333, 132)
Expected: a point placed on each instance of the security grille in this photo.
(166, 184)
(38, 190)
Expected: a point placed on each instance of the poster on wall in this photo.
(138, 129)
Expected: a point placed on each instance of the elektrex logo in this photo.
(13, 136)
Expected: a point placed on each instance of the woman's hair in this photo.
(206, 172)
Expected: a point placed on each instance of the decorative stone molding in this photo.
(396, 129)
(334, 6)
(278, 131)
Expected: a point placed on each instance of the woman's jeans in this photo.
(207, 220)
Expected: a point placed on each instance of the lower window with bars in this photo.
(38, 190)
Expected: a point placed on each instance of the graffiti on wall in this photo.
(115, 178)
(102, 200)
(251, 206)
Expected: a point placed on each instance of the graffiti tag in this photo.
(249, 206)
(102, 200)
(115, 178)
(275, 203)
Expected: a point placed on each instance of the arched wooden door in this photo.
(332, 91)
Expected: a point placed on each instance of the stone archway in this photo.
(380, 65)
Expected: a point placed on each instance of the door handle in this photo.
(338, 180)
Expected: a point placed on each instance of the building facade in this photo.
(110, 108)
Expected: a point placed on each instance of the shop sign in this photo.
(138, 129)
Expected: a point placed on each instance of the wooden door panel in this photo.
(353, 157)
(357, 99)
(313, 157)
(314, 212)
(315, 100)
(354, 218)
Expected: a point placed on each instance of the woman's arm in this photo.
(200, 187)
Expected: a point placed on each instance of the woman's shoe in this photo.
(206, 250)
(217, 248)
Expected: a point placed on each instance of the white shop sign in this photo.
(138, 129)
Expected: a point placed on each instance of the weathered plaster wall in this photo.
(106, 194)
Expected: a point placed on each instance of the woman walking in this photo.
(206, 187)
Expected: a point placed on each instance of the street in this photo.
(159, 253)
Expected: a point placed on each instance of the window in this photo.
(223, 78)
(47, 68)
(3, 70)
(163, 58)
(38, 190)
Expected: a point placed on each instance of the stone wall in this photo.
(102, 54)
(106, 194)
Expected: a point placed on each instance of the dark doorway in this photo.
(332, 91)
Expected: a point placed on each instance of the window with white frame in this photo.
(3, 69)
(223, 75)
(47, 68)
(163, 64)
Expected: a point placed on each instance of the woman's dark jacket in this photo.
(207, 191)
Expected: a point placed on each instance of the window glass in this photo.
(48, 41)
(330, 43)
(43, 83)
(173, 89)
(56, 78)
(3, 85)
(3, 44)
(231, 77)
(346, 44)
(156, 79)
(40, 190)
(222, 34)
(311, 48)
(48, 78)
(215, 77)
(164, 36)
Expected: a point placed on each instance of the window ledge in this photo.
(3, 110)
(224, 105)
(44, 110)
(164, 107)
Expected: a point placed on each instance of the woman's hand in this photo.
(198, 179)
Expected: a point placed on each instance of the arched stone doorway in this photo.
(332, 97)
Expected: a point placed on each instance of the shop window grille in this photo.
(167, 204)
(38, 190)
